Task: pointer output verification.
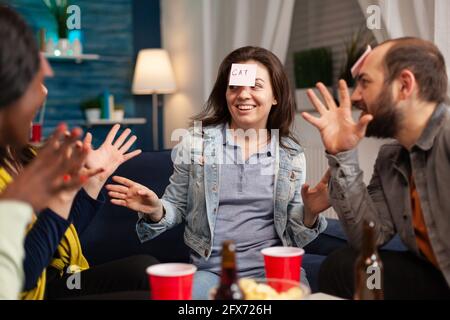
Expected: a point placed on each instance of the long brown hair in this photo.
(216, 111)
(19, 63)
(13, 161)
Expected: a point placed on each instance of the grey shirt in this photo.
(246, 209)
(387, 199)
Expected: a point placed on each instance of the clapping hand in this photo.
(109, 156)
(58, 168)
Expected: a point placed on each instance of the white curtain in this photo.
(199, 33)
(230, 24)
(426, 19)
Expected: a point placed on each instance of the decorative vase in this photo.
(63, 46)
(50, 47)
(118, 115)
(92, 114)
(77, 48)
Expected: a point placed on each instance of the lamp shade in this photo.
(153, 73)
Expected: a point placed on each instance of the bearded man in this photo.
(402, 92)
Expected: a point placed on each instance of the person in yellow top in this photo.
(31, 191)
(53, 254)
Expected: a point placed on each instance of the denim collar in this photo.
(214, 133)
(228, 140)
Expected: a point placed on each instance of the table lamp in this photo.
(153, 75)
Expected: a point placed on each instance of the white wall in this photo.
(317, 163)
(183, 33)
(182, 36)
(310, 139)
(318, 23)
(200, 33)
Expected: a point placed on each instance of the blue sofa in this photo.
(111, 235)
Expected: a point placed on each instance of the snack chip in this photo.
(262, 291)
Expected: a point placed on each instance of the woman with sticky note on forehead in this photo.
(238, 174)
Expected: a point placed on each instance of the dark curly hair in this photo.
(19, 56)
(19, 64)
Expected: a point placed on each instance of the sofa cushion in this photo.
(311, 263)
(334, 238)
(328, 241)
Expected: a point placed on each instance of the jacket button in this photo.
(206, 252)
(214, 189)
(292, 176)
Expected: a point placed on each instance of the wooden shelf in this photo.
(107, 122)
(77, 58)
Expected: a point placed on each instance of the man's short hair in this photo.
(424, 60)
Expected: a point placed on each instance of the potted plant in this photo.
(311, 66)
(354, 49)
(119, 112)
(58, 9)
(92, 109)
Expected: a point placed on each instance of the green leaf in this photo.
(354, 48)
(312, 66)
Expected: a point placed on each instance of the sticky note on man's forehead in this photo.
(357, 66)
(243, 75)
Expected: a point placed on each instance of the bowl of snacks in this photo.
(271, 289)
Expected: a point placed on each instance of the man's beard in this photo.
(386, 118)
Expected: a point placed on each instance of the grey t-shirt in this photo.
(246, 210)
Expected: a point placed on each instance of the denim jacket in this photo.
(193, 196)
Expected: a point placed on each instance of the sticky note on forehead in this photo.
(357, 66)
(243, 75)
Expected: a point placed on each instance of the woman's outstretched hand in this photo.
(130, 194)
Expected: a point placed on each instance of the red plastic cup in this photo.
(283, 262)
(171, 281)
(36, 132)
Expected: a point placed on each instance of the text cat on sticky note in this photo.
(243, 75)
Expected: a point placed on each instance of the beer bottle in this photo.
(368, 267)
(228, 288)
